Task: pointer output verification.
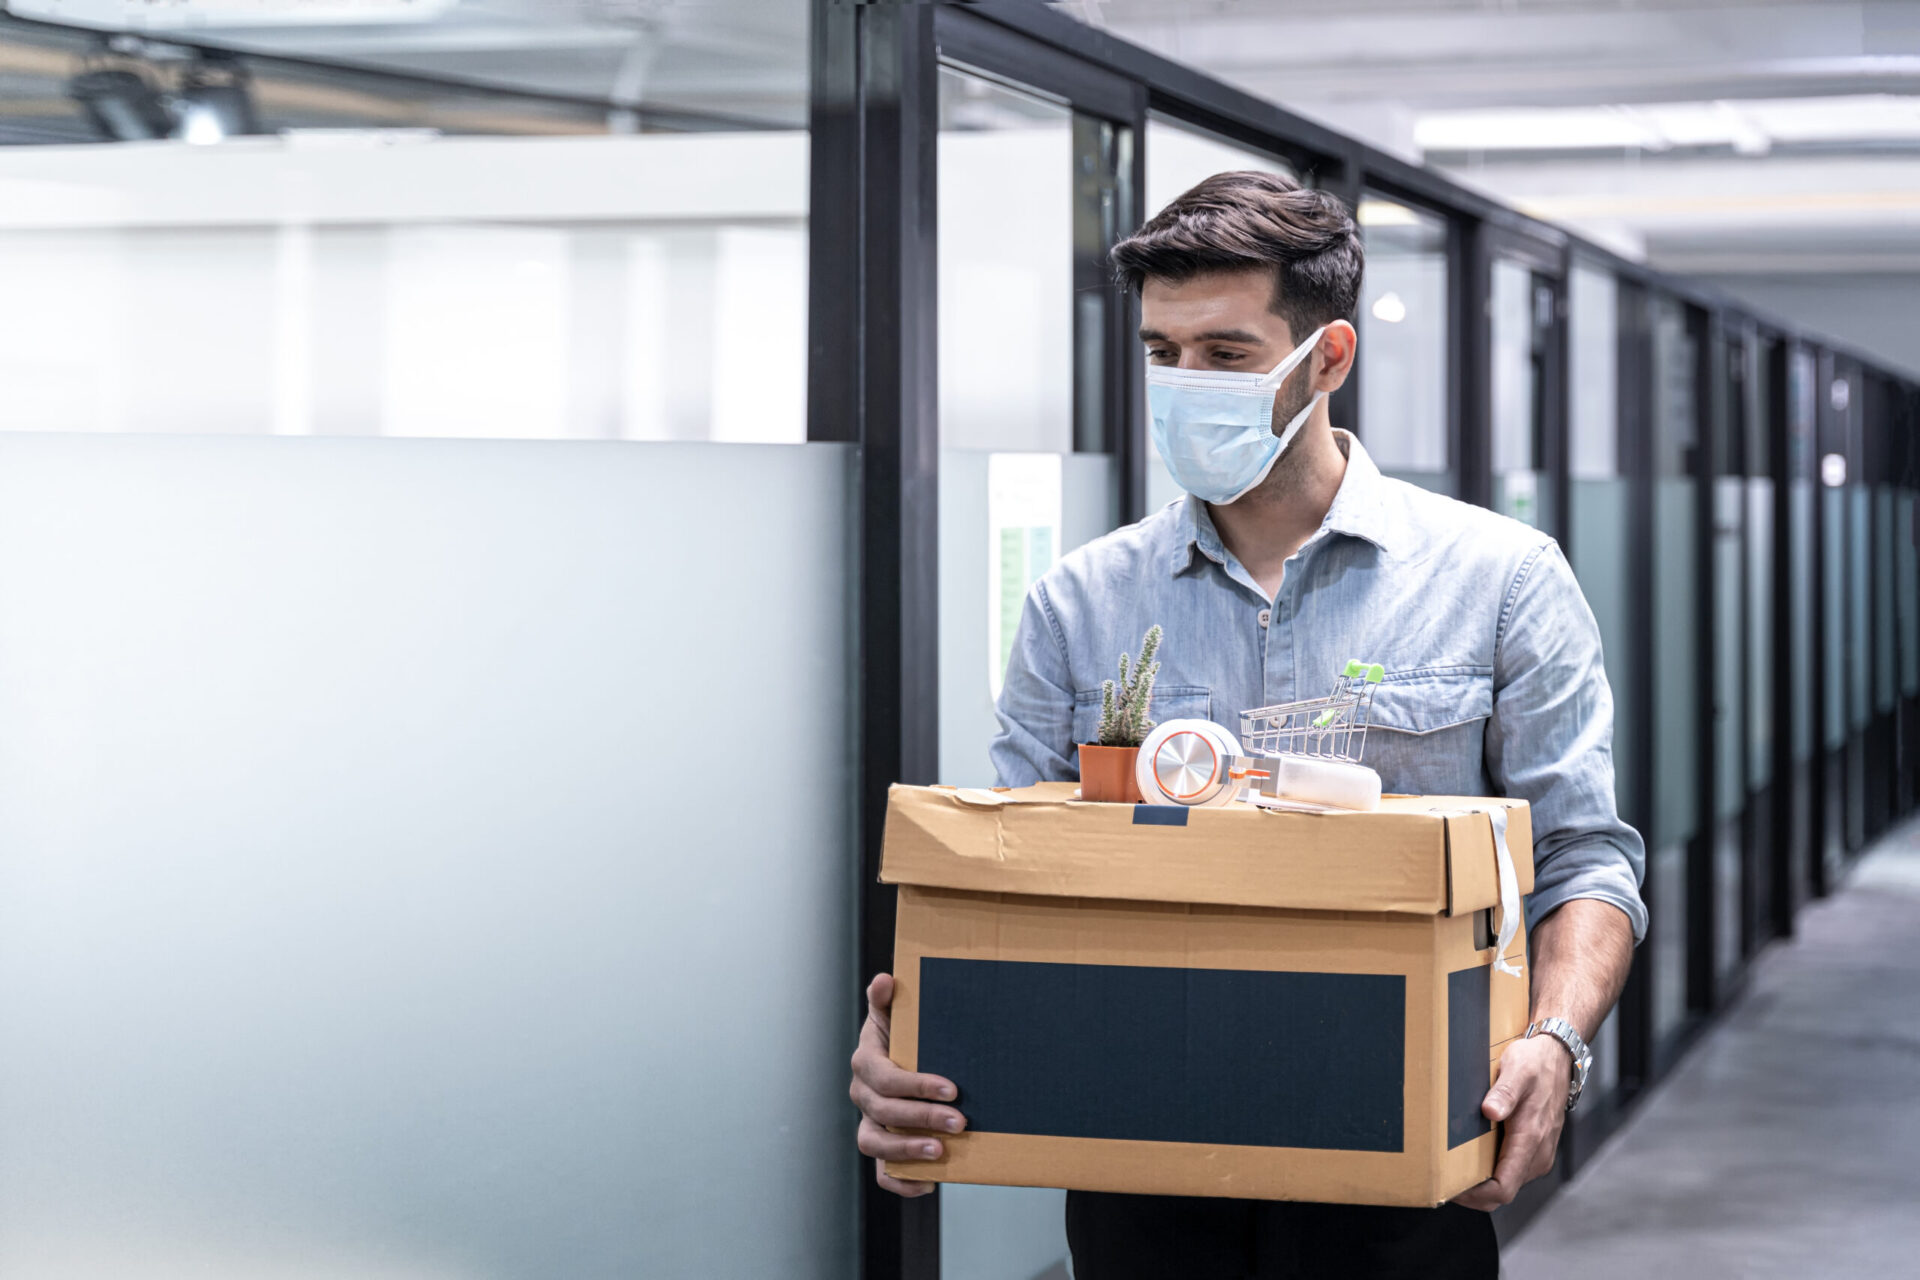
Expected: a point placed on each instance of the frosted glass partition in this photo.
(377, 894)
(1678, 808)
(396, 283)
(1599, 515)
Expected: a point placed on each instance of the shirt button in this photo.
(1266, 616)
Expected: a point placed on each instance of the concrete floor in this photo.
(1788, 1142)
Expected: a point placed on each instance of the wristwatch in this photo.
(1562, 1030)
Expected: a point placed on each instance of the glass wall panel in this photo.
(1833, 550)
(1730, 640)
(1802, 610)
(389, 258)
(1859, 605)
(1014, 495)
(1405, 387)
(356, 935)
(1179, 156)
(1676, 592)
(1521, 319)
(1885, 630)
(1599, 522)
(1601, 516)
(1762, 416)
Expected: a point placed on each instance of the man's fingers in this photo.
(886, 1096)
(1486, 1197)
(876, 1141)
(887, 1079)
(910, 1190)
(905, 1113)
(880, 1007)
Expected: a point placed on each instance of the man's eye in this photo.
(1228, 357)
(1160, 355)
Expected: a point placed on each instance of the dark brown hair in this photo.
(1248, 219)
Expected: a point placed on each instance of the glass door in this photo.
(1037, 410)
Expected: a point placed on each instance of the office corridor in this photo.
(1783, 1146)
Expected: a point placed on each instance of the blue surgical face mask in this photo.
(1215, 430)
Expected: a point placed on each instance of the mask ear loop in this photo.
(1280, 371)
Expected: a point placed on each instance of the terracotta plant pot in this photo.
(1106, 774)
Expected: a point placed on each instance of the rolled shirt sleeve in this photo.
(1550, 743)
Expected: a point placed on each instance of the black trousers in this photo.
(1117, 1237)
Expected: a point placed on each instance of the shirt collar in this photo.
(1359, 510)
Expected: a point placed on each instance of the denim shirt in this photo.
(1494, 682)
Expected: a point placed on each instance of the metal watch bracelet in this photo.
(1563, 1031)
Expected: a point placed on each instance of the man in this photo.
(1292, 554)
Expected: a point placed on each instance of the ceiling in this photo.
(1702, 135)
(718, 63)
(1705, 136)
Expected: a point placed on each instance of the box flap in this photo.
(1473, 881)
(1039, 840)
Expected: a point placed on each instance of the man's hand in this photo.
(1530, 1095)
(891, 1098)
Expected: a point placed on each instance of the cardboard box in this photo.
(1224, 1002)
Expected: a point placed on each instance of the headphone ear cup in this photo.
(1186, 762)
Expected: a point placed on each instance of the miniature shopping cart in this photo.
(1308, 753)
(1329, 728)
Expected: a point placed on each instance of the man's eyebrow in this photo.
(1215, 335)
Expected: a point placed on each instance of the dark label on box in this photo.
(1468, 1015)
(1221, 1056)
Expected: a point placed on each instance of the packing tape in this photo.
(1509, 891)
(1509, 881)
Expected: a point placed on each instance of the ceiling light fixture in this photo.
(214, 102)
(1390, 308)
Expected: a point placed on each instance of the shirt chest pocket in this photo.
(1170, 702)
(1422, 703)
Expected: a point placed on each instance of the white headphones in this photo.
(1197, 763)
(1189, 762)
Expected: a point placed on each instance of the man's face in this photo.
(1222, 321)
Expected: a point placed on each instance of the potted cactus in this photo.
(1106, 764)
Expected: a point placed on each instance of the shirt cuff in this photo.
(1541, 902)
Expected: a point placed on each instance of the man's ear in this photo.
(1333, 356)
